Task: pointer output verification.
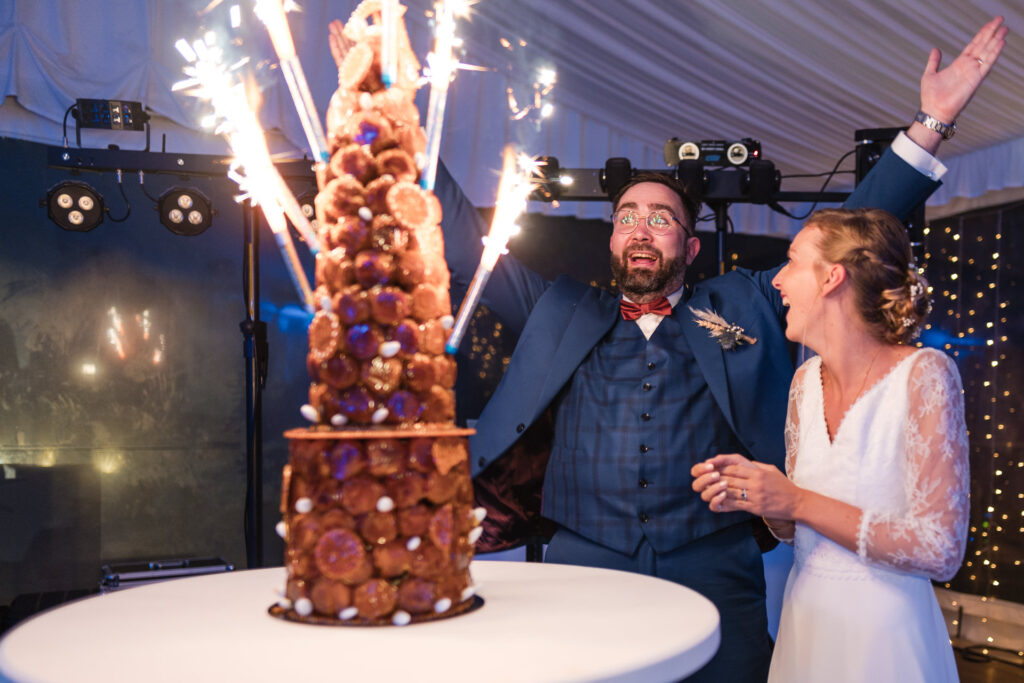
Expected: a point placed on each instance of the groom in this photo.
(641, 391)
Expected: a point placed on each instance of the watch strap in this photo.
(946, 130)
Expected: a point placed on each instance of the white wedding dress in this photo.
(900, 454)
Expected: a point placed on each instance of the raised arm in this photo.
(906, 174)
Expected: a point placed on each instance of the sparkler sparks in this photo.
(518, 179)
(542, 87)
(260, 182)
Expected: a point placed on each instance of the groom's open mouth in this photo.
(643, 259)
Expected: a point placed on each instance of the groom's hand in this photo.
(945, 93)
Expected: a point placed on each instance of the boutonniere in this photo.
(727, 334)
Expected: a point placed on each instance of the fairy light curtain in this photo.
(976, 289)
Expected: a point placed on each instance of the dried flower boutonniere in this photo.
(727, 334)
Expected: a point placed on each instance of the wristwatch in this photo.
(946, 130)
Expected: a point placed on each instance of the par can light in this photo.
(74, 205)
(185, 211)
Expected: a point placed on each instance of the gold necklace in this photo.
(863, 381)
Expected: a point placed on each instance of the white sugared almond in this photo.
(365, 213)
(447, 321)
(303, 607)
(385, 504)
(326, 303)
(304, 505)
(474, 534)
(365, 101)
(479, 514)
(468, 592)
(389, 349)
(413, 543)
(442, 605)
(401, 618)
(339, 420)
(310, 413)
(347, 613)
(379, 415)
(281, 528)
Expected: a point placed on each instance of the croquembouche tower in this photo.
(376, 500)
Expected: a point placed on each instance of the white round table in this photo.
(539, 622)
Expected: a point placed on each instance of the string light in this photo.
(969, 322)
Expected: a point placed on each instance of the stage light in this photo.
(74, 205)
(185, 211)
(712, 152)
(307, 203)
(616, 172)
(691, 173)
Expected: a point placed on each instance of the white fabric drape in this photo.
(800, 77)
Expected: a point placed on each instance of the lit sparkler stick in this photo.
(211, 80)
(513, 190)
(389, 42)
(271, 12)
(441, 68)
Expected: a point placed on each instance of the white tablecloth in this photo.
(540, 622)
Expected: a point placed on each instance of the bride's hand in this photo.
(751, 487)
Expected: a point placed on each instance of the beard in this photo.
(638, 282)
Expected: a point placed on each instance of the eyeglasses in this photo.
(660, 222)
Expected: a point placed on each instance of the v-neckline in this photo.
(833, 437)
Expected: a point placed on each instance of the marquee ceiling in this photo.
(796, 75)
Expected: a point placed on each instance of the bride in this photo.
(876, 499)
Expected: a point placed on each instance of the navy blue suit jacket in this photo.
(562, 322)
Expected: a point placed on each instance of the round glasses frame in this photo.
(626, 221)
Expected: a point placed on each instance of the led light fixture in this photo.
(74, 205)
(185, 211)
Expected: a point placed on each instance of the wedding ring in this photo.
(980, 60)
(743, 494)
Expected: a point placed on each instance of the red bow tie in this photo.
(632, 311)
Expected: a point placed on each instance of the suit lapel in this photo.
(710, 356)
(595, 314)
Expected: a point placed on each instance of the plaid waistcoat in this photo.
(636, 416)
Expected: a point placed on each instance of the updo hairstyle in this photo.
(872, 245)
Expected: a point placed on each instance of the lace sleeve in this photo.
(792, 433)
(930, 535)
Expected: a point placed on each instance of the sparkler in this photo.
(516, 184)
(260, 182)
(389, 42)
(442, 66)
(272, 13)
